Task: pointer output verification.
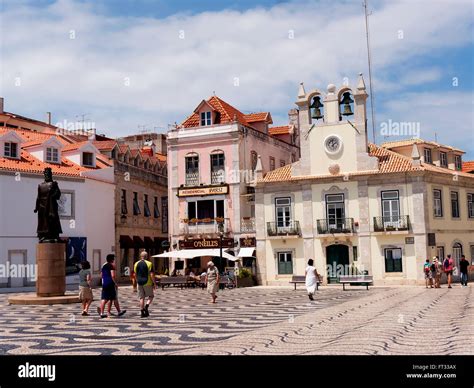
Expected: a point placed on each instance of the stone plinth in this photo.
(33, 299)
(51, 270)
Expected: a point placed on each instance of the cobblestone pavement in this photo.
(259, 320)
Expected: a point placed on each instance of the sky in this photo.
(125, 66)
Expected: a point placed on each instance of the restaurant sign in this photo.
(211, 243)
(247, 242)
(202, 191)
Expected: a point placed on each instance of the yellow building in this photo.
(355, 206)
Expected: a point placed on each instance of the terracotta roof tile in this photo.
(282, 130)
(468, 166)
(254, 117)
(227, 114)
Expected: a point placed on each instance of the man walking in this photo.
(145, 277)
(463, 264)
(109, 288)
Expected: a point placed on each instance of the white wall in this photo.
(93, 218)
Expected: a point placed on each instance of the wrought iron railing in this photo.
(192, 179)
(286, 228)
(391, 223)
(335, 225)
(205, 225)
(247, 225)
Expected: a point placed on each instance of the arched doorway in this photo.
(337, 261)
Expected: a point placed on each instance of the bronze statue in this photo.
(49, 225)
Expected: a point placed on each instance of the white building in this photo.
(86, 180)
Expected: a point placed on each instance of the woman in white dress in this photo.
(311, 278)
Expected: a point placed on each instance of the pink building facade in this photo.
(214, 157)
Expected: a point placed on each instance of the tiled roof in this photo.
(254, 117)
(74, 146)
(468, 166)
(104, 145)
(282, 130)
(161, 157)
(227, 114)
(28, 163)
(389, 162)
(405, 142)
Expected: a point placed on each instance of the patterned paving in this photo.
(401, 320)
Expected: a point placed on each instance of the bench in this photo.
(224, 282)
(356, 280)
(295, 279)
(181, 281)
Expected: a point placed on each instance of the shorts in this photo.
(449, 272)
(85, 294)
(145, 292)
(428, 275)
(109, 292)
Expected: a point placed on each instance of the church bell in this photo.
(346, 101)
(316, 105)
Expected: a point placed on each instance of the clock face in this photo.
(332, 144)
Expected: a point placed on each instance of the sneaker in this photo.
(143, 314)
(147, 313)
(310, 297)
(122, 312)
(85, 314)
(103, 315)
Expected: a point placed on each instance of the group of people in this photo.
(143, 275)
(435, 269)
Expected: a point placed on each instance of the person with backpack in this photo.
(448, 267)
(427, 271)
(438, 272)
(463, 264)
(145, 278)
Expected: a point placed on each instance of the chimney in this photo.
(415, 157)
(1, 105)
(48, 117)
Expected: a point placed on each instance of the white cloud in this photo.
(169, 76)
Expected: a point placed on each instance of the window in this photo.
(390, 208)
(437, 203)
(156, 211)
(293, 158)
(272, 163)
(253, 159)
(217, 168)
(52, 155)
(135, 162)
(335, 210)
(10, 150)
(192, 170)
(164, 214)
(454, 204)
(123, 200)
(146, 208)
(283, 212)
(205, 118)
(282, 163)
(443, 159)
(440, 253)
(285, 263)
(88, 159)
(457, 252)
(136, 207)
(428, 158)
(393, 260)
(113, 154)
(470, 205)
(457, 162)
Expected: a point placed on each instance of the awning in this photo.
(137, 240)
(191, 253)
(126, 242)
(148, 241)
(246, 252)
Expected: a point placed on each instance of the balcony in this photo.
(217, 177)
(204, 226)
(289, 228)
(192, 179)
(247, 225)
(338, 225)
(391, 223)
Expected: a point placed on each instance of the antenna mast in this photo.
(366, 12)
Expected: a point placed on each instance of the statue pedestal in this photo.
(51, 269)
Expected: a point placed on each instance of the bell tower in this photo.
(333, 127)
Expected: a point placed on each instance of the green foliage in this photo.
(244, 273)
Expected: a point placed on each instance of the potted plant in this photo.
(245, 278)
(193, 220)
(219, 219)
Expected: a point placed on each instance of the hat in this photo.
(210, 263)
(435, 258)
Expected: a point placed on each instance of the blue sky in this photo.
(175, 53)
